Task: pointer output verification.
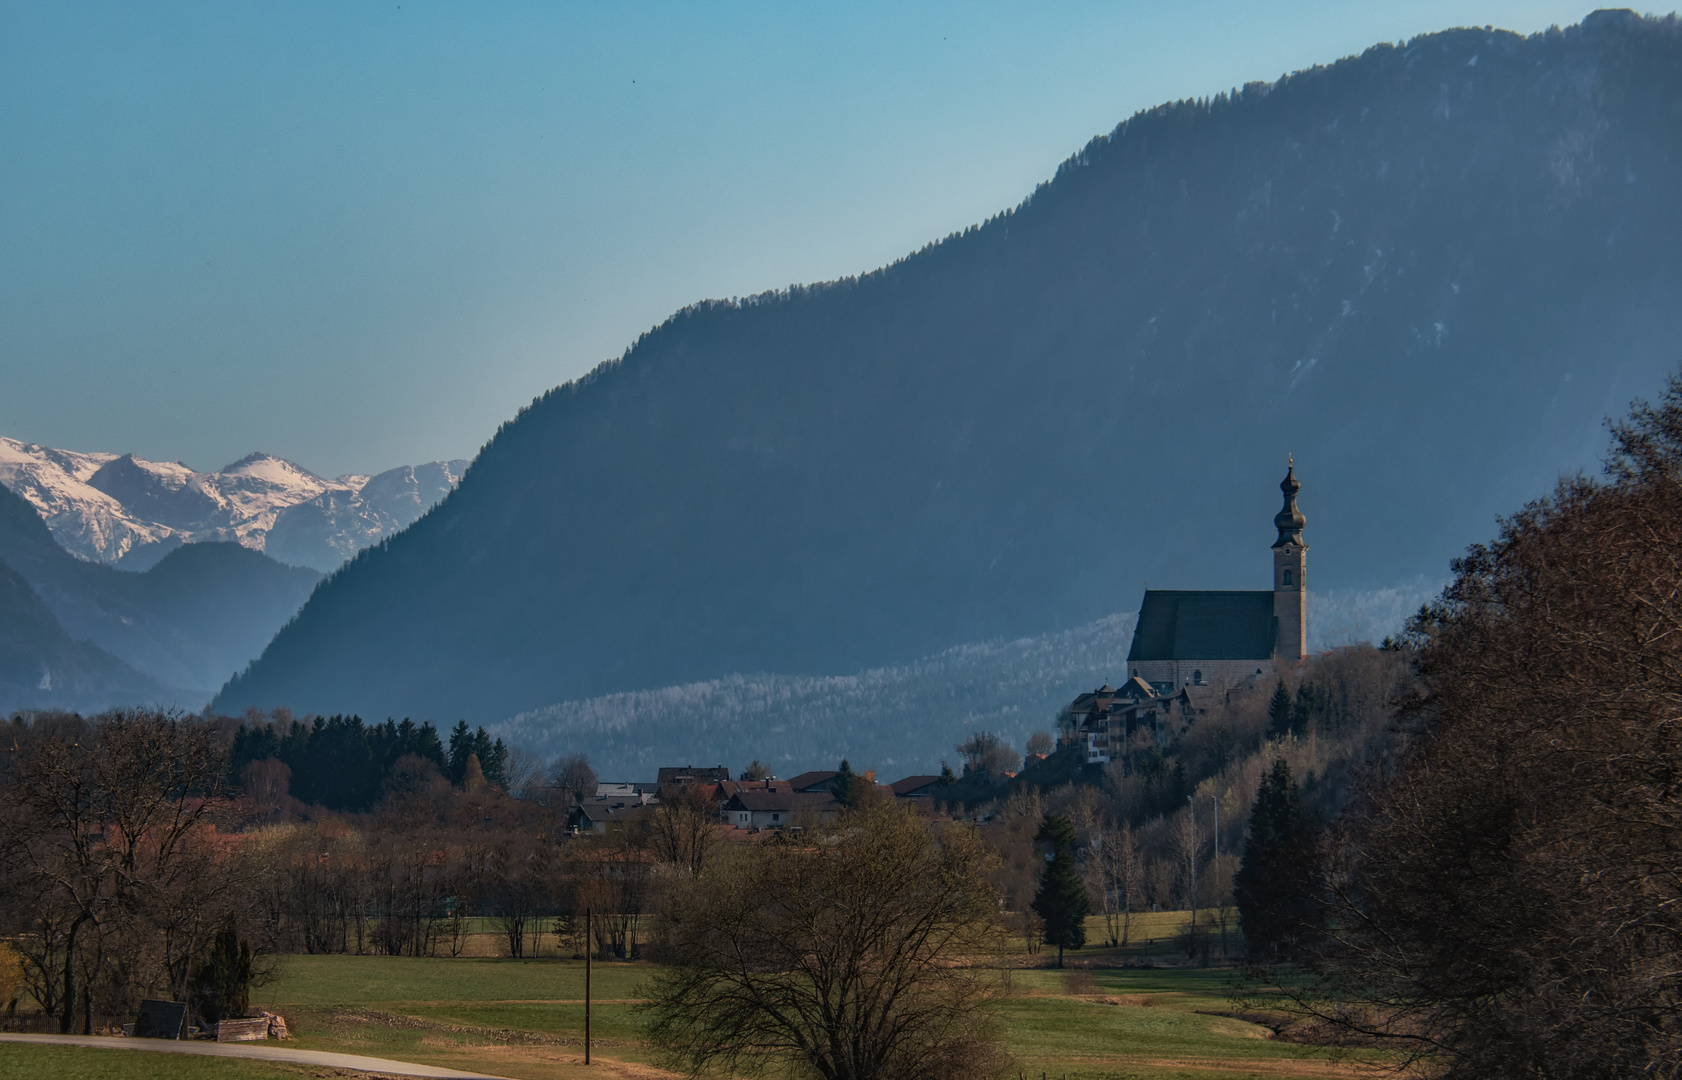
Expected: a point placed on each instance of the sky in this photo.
(362, 235)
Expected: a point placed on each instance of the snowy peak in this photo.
(328, 529)
(128, 511)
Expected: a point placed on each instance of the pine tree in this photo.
(461, 745)
(492, 756)
(1279, 712)
(1304, 709)
(1061, 900)
(844, 786)
(222, 983)
(947, 776)
(1274, 885)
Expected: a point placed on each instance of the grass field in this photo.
(1098, 1020)
(83, 1063)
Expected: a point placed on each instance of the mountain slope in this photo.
(189, 622)
(1428, 271)
(126, 511)
(41, 667)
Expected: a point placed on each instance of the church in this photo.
(1202, 638)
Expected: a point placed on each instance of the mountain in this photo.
(331, 527)
(129, 512)
(196, 617)
(42, 667)
(1429, 272)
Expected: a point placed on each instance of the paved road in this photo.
(255, 1050)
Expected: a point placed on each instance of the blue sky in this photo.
(362, 235)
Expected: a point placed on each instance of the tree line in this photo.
(340, 763)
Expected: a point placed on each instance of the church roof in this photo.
(1185, 625)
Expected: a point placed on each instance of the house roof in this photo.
(761, 800)
(778, 801)
(912, 785)
(1183, 625)
(812, 781)
(677, 774)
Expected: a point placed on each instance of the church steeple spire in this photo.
(1290, 574)
(1289, 521)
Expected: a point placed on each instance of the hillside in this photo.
(1429, 272)
(187, 623)
(41, 667)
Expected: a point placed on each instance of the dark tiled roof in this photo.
(731, 787)
(678, 774)
(913, 784)
(809, 781)
(761, 800)
(784, 801)
(1176, 625)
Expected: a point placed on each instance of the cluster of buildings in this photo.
(746, 803)
(1190, 650)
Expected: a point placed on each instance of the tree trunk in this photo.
(69, 1018)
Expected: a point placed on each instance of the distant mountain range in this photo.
(89, 635)
(129, 512)
(1430, 272)
(41, 666)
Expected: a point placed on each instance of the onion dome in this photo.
(1289, 520)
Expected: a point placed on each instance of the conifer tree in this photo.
(1061, 900)
(461, 745)
(844, 786)
(1273, 888)
(1279, 712)
(222, 983)
(1304, 709)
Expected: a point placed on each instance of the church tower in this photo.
(1290, 576)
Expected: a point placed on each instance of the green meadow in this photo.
(1134, 1013)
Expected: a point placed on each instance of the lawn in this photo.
(525, 1018)
(1114, 1014)
(87, 1063)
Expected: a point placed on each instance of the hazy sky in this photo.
(363, 235)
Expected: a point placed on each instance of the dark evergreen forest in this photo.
(1428, 271)
(340, 763)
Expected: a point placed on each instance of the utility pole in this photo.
(1191, 805)
(589, 949)
(1220, 901)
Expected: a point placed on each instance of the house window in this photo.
(1287, 577)
(1197, 678)
(776, 817)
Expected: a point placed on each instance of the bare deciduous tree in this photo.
(685, 828)
(1507, 902)
(103, 837)
(836, 957)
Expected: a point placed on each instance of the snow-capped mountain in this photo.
(129, 512)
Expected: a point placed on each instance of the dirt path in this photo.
(261, 1053)
(1284, 1067)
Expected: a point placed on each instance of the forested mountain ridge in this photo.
(42, 667)
(1428, 271)
(201, 613)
